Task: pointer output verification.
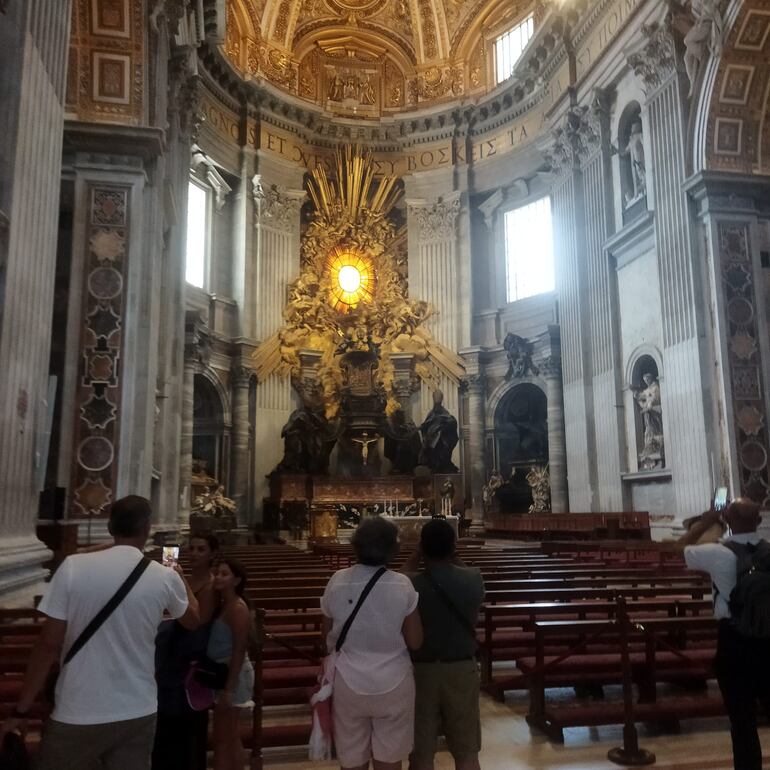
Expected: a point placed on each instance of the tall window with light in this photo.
(509, 47)
(197, 235)
(529, 250)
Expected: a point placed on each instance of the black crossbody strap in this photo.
(107, 610)
(451, 606)
(361, 599)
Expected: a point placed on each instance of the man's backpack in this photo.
(750, 599)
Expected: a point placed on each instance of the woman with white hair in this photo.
(373, 703)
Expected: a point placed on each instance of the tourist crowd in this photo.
(141, 654)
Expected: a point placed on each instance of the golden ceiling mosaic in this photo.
(368, 58)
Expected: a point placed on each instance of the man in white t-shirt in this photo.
(106, 696)
(742, 663)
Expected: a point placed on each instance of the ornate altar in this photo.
(357, 350)
(409, 527)
(323, 523)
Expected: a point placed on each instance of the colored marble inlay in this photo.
(99, 384)
(750, 418)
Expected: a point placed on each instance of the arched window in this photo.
(207, 191)
(509, 47)
(529, 262)
(198, 229)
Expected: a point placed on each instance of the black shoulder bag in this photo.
(98, 621)
(361, 599)
(451, 606)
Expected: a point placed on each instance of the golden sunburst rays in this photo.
(354, 192)
(352, 279)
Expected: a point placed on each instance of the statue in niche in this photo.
(308, 440)
(705, 35)
(489, 490)
(367, 91)
(519, 352)
(336, 88)
(350, 88)
(540, 483)
(635, 153)
(439, 437)
(402, 443)
(647, 398)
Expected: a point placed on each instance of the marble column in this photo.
(573, 140)
(476, 387)
(605, 367)
(240, 442)
(550, 369)
(277, 258)
(195, 354)
(33, 60)
(434, 276)
(186, 443)
(735, 231)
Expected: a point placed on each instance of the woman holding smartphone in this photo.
(181, 735)
(228, 643)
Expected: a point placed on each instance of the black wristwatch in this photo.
(18, 714)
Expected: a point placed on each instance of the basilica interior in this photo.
(278, 266)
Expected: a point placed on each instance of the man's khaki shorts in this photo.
(447, 703)
(111, 746)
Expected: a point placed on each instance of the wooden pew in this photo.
(657, 662)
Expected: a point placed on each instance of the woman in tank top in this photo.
(181, 736)
(228, 643)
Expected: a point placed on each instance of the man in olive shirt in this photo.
(445, 670)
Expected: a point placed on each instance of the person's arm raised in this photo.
(698, 529)
(191, 618)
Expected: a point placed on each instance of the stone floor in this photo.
(508, 744)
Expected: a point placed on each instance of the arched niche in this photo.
(521, 441)
(211, 428)
(632, 161)
(648, 435)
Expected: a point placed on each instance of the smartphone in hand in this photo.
(720, 499)
(170, 556)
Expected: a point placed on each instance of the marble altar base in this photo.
(409, 527)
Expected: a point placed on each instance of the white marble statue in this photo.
(705, 36)
(636, 155)
(648, 400)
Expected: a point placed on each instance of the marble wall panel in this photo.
(98, 395)
(744, 359)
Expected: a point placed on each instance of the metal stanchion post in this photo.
(629, 753)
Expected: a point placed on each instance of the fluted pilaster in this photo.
(240, 442)
(33, 56)
(550, 369)
(476, 386)
(277, 245)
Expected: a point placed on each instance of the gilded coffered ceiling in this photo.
(368, 58)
